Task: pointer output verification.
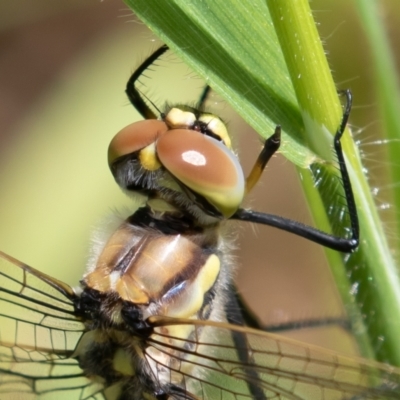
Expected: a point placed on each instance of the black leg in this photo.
(307, 323)
(203, 98)
(135, 97)
(271, 145)
(244, 315)
(235, 315)
(308, 232)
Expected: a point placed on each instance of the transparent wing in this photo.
(57, 379)
(38, 332)
(249, 364)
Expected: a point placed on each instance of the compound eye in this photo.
(204, 165)
(135, 137)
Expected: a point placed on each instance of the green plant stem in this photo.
(387, 86)
(371, 271)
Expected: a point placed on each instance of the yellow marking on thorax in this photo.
(191, 302)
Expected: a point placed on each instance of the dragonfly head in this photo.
(185, 159)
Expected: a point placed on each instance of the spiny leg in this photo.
(308, 232)
(271, 145)
(203, 98)
(134, 95)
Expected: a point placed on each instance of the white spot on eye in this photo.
(194, 157)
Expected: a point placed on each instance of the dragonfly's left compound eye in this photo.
(137, 137)
(206, 166)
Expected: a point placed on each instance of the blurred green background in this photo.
(64, 66)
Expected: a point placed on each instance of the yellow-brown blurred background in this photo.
(63, 69)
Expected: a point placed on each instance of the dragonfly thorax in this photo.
(152, 265)
(159, 269)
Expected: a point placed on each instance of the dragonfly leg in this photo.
(271, 145)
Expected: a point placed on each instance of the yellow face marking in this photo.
(177, 118)
(216, 126)
(148, 158)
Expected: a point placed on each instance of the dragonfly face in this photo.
(185, 161)
(150, 320)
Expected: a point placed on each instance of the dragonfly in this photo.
(155, 315)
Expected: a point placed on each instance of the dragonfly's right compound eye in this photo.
(204, 165)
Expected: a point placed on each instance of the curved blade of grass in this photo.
(244, 65)
(233, 45)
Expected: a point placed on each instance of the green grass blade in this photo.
(243, 65)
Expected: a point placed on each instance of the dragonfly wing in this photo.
(57, 379)
(38, 332)
(267, 366)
